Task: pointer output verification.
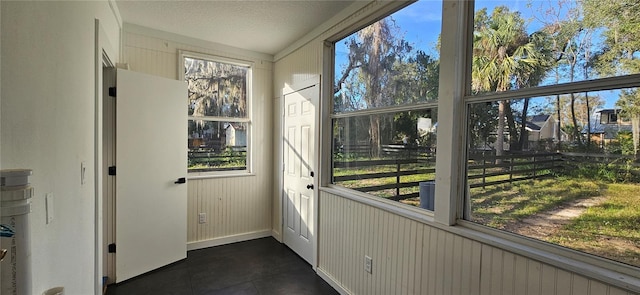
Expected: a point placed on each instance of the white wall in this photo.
(47, 120)
(237, 208)
(411, 256)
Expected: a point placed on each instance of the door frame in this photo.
(104, 57)
(288, 89)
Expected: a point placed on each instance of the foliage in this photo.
(215, 88)
(619, 170)
(505, 57)
(383, 70)
(622, 144)
(629, 103)
(620, 20)
(482, 123)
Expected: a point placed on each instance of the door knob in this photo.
(309, 186)
(181, 180)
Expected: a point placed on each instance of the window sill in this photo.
(394, 207)
(590, 266)
(606, 271)
(207, 175)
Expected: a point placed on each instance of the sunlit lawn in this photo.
(498, 205)
(610, 229)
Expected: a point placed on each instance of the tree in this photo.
(505, 57)
(620, 52)
(629, 102)
(571, 42)
(368, 81)
(215, 89)
(620, 19)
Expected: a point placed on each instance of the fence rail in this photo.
(483, 170)
(234, 158)
(399, 167)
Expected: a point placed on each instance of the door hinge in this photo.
(112, 91)
(112, 170)
(112, 248)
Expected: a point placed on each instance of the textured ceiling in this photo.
(261, 26)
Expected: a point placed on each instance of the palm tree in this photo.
(503, 53)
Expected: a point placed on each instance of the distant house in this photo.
(543, 128)
(236, 135)
(606, 124)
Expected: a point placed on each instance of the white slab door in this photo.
(151, 163)
(299, 170)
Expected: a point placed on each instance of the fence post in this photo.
(534, 166)
(511, 168)
(397, 177)
(484, 169)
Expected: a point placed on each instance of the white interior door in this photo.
(151, 155)
(299, 169)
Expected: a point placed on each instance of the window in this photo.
(384, 117)
(546, 158)
(219, 120)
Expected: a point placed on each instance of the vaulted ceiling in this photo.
(261, 26)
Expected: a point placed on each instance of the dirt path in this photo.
(543, 225)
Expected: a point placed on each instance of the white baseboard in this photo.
(228, 239)
(276, 235)
(327, 278)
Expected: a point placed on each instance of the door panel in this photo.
(299, 164)
(151, 154)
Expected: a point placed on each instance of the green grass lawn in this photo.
(609, 229)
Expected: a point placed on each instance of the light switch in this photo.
(83, 170)
(48, 199)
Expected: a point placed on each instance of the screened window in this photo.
(555, 163)
(384, 117)
(219, 122)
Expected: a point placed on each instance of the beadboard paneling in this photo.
(410, 257)
(236, 207)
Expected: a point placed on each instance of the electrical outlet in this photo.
(368, 264)
(202, 218)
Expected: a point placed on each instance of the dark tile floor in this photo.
(262, 266)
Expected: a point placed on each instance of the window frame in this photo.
(451, 197)
(328, 115)
(606, 270)
(248, 171)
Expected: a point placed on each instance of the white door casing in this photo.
(299, 170)
(151, 155)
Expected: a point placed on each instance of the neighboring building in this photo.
(543, 128)
(605, 126)
(236, 135)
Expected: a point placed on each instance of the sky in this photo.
(421, 23)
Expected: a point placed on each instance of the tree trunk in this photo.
(523, 130)
(374, 135)
(576, 132)
(588, 121)
(513, 131)
(559, 131)
(500, 131)
(635, 131)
